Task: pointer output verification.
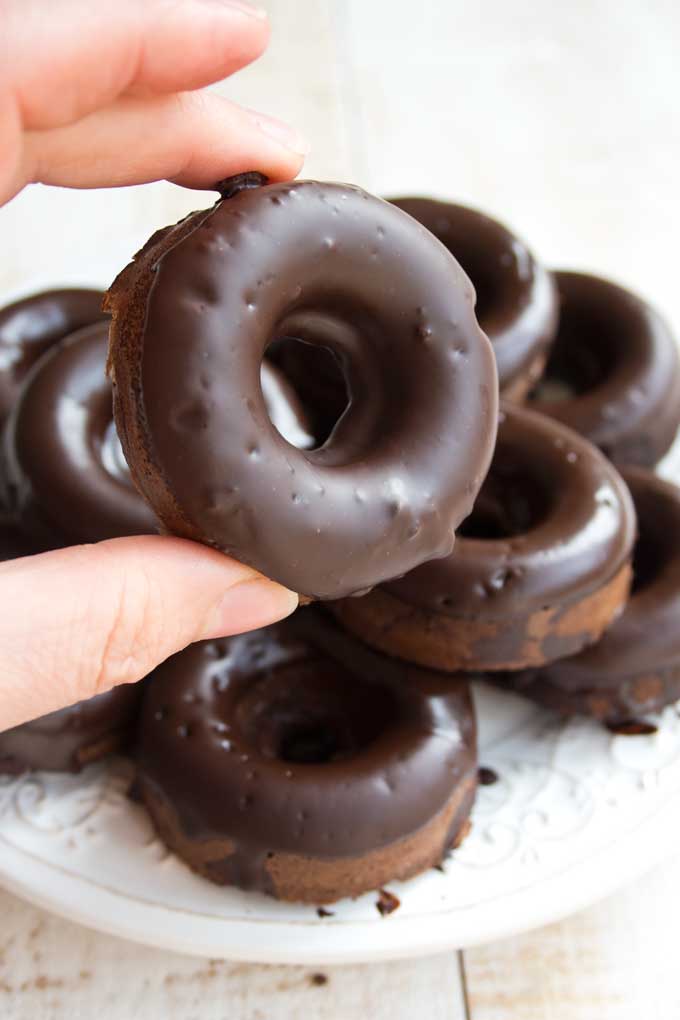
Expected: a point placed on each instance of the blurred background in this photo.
(560, 119)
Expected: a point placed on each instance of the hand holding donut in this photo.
(97, 95)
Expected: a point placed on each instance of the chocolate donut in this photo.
(540, 568)
(635, 667)
(66, 472)
(30, 326)
(614, 371)
(516, 297)
(295, 761)
(192, 318)
(71, 738)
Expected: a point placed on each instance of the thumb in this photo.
(76, 622)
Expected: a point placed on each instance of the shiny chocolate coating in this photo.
(635, 667)
(298, 739)
(554, 521)
(30, 326)
(70, 738)
(67, 474)
(328, 264)
(516, 297)
(614, 371)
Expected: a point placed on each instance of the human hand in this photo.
(99, 95)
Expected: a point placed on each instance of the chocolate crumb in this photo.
(318, 979)
(322, 912)
(632, 728)
(487, 776)
(387, 902)
(439, 867)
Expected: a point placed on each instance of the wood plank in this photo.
(55, 970)
(617, 961)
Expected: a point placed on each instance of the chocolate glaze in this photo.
(614, 371)
(554, 521)
(298, 739)
(516, 297)
(66, 740)
(327, 264)
(68, 477)
(635, 667)
(30, 326)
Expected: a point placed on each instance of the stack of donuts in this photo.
(307, 378)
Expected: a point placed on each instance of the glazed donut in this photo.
(540, 568)
(516, 297)
(295, 761)
(614, 371)
(635, 667)
(67, 477)
(30, 326)
(71, 738)
(192, 318)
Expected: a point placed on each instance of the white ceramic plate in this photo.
(575, 814)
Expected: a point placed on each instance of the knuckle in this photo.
(133, 635)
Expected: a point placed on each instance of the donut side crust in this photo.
(628, 699)
(301, 879)
(126, 300)
(451, 643)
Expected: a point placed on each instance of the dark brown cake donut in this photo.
(635, 667)
(71, 738)
(516, 297)
(295, 761)
(192, 318)
(540, 568)
(30, 326)
(66, 472)
(614, 371)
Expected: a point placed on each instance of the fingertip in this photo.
(252, 603)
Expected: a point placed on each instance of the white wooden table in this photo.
(562, 120)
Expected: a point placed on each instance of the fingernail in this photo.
(248, 605)
(282, 133)
(242, 7)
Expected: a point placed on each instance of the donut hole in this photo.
(311, 713)
(581, 357)
(512, 501)
(316, 375)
